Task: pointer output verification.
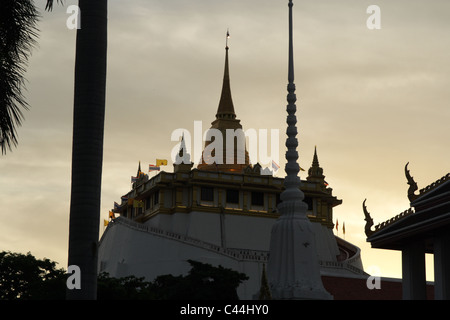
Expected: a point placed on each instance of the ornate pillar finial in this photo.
(293, 269)
(292, 180)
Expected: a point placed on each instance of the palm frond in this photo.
(18, 34)
(49, 5)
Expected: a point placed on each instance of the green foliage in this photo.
(18, 35)
(126, 288)
(49, 5)
(27, 278)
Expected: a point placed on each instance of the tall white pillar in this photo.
(293, 266)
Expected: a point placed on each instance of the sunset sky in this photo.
(370, 100)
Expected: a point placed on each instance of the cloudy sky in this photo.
(370, 100)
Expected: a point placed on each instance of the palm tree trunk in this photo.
(87, 149)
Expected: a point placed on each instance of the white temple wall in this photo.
(248, 232)
(238, 231)
(125, 251)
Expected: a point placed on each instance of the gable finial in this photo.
(412, 184)
(368, 219)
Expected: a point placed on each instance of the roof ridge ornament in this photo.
(368, 219)
(412, 185)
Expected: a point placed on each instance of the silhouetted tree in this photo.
(27, 278)
(204, 282)
(18, 35)
(125, 288)
(87, 145)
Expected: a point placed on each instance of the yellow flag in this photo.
(161, 162)
(105, 222)
(138, 204)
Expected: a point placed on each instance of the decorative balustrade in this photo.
(248, 255)
(237, 254)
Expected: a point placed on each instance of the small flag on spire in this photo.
(161, 162)
(138, 204)
(152, 167)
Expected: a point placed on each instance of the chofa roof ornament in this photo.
(368, 219)
(412, 185)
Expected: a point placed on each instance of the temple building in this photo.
(423, 228)
(218, 213)
(227, 211)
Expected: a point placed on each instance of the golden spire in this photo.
(139, 172)
(226, 108)
(236, 159)
(315, 159)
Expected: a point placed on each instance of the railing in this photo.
(341, 265)
(237, 254)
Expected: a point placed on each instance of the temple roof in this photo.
(429, 214)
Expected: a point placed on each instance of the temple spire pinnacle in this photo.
(226, 107)
(183, 158)
(315, 159)
(315, 172)
(139, 172)
(230, 155)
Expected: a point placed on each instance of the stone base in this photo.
(293, 266)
